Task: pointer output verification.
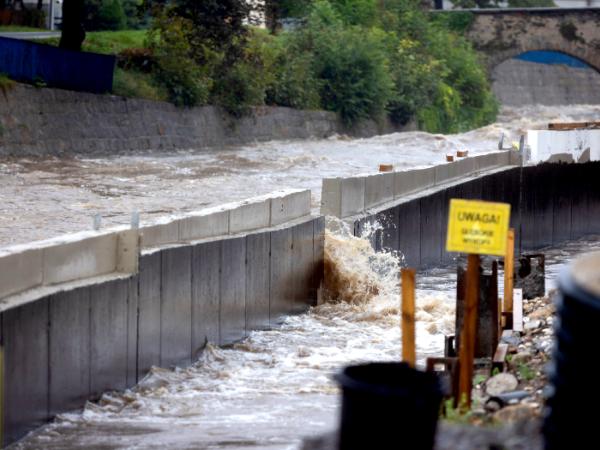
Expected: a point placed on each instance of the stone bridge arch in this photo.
(502, 34)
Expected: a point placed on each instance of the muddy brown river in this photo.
(276, 387)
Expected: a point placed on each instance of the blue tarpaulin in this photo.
(56, 67)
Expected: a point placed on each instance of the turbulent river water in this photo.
(275, 387)
(43, 198)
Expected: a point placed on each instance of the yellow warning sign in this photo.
(478, 227)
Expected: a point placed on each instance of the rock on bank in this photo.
(44, 121)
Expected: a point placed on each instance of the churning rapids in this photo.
(275, 387)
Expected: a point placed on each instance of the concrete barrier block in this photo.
(80, 259)
(443, 173)
(20, 271)
(454, 171)
(353, 196)
(492, 160)
(290, 206)
(331, 197)
(379, 189)
(250, 216)
(128, 251)
(159, 234)
(516, 158)
(411, 181)
(206, 224)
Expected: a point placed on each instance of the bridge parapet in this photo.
(504, 33)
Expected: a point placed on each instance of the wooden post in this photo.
(468, 333)
(509, 270)
(408, 317)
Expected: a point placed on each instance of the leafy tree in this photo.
(111, 15)
(73, 33)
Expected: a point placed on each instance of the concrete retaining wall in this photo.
(52, 122)
(69, 345)
(550, 203)
(346, 197)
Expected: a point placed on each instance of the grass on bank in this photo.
(106, 42)
(18, 29)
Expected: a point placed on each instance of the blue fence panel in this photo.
(66, 69)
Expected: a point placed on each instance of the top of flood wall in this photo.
(32, 271)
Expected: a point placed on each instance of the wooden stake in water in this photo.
(509, 269)
(408, 317)
(466, 354)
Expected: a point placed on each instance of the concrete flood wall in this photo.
(70, 341)
(550, 203)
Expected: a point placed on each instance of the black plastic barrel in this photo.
(388, 406)
(572, 418)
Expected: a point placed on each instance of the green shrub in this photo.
(136, 84)
(111, 16)
(186, 83)
(349, 63)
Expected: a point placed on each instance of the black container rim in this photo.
(425, 379)
(575, 292)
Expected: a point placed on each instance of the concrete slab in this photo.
(128, 251)
(431, 229)
(176, 307)
(389, 233)
(281, 298)
(70, 357)
(454, 171)
(319, 255)
(132, 330)
(331, 197)
(258, 278)
(25, 342)
(409, 232)
(379, 189)
(20, 271)
(492, 160)
(302, 266)
(204, 225)
(290, 206)
(80, 259)
(250, 216)
(160, 234)
(411, 181)
(233, 291)
(353, 196)
(108, 337)
(149, 285)
(206, 295)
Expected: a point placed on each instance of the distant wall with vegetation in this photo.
(36, 121)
